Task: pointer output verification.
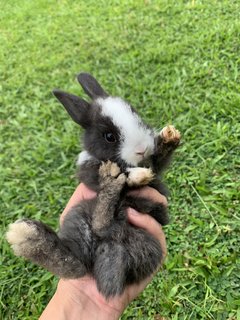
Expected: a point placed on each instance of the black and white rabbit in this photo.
(121, 152)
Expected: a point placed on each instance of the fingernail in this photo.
(133, 211)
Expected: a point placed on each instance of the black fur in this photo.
(95, 237)
(91, 86)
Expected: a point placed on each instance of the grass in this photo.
(177, 62)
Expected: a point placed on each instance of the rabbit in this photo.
(121, 152)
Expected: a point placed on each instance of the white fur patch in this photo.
(19, 235)
(19, 231)
(83, 157)
(139, 176)
(135, 136)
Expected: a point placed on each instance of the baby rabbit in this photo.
(121, 152)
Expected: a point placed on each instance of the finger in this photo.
(148, 223)
(82, 192)
(149, 193)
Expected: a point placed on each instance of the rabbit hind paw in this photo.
(22, 236)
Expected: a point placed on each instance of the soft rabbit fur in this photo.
(121, 152)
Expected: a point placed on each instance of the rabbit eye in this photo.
(109, 137)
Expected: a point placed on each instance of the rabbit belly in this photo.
(127, 256)
(77, 234)
(123, 255)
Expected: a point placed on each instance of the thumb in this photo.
(149, 224)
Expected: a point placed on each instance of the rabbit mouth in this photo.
(135, 158)
(141, 157)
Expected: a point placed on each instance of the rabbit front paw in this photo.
(139, 176)
(110, 173)
(170, 134)
(22, 236)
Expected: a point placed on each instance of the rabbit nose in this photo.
(141, 151)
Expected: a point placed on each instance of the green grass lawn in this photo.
(176, 62)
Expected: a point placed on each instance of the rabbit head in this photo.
(113, 129)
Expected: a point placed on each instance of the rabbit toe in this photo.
(170, 134)
(109, 169)
(121, 179)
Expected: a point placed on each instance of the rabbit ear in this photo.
(77, 108)
(91, 86)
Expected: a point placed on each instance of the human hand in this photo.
(80, 298)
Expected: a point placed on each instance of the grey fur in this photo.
(95, 237)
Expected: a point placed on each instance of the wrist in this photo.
(72, 302)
